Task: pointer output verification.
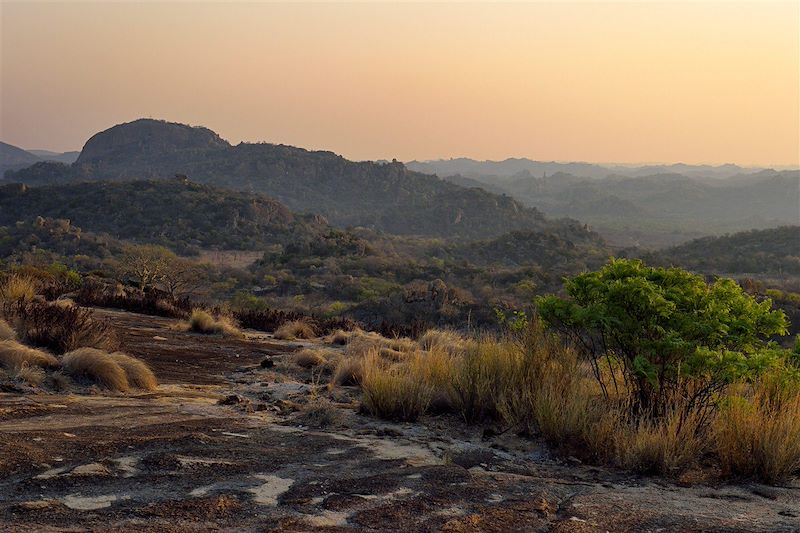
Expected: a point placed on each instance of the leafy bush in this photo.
(663, 326)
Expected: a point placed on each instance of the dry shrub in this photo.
(311, 357)
(443, 339)
(137, 371)
(14, 355)
(63, 329)
(349, 372)
(17, 288)
(201, 321)
(97, 367)
(64, 302)
(296, 329)
(392, 355)
(7, 333)
(395, 391)
(757, 432)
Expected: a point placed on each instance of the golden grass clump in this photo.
(296, 329)
(18, 288)
(311, 357)
(665, 445)
(201, 321)
(482, 378)
(443, 339)
(349, 372)
(32, 375)
(395, 391)
(340, 337)
(139, 374)
(96, 366)
(14, 355)
(757, 431)
(7, 333)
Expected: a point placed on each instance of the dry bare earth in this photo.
(176, 460)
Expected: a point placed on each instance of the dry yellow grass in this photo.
(32, 375)
(757, 432)
(96, 366)
(139, 374)
(18, 288)
(665, 445)
(7, 333)
(443, 339)
(201, 321)
(296, 329)
(349, 371)
(340, 337)
(311, 357)
(14, 355)
(395, 391)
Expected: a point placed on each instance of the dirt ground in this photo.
(179, 460)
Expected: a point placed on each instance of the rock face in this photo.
(147, 138)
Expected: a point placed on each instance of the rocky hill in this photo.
(384, 196)
(176, 213)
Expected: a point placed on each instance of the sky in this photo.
(636, 82)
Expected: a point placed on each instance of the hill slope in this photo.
(769, 251)
(382, 196)
(167, 212)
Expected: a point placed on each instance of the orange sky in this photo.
(634, 82)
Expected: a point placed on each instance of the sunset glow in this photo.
(637, 82)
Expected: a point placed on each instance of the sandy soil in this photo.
(179, 460)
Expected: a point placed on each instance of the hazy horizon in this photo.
(633, 84)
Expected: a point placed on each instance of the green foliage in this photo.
(665, 325)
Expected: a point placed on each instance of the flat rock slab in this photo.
(177, 460)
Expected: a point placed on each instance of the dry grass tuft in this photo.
(757, 432)
(137, 371)
(320, 413)
(395, 392)
(59, 382)
(349, 372)
(201, 321)
(340, 337)
(443, 339)
(32, 375)
(666, 445)
(96, 366)
(14, 355)
(18, 288)
(296, 329)
(311, 357)
(7, 333)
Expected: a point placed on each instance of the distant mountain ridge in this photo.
(12, 157)
(510, 167)
(387, 197)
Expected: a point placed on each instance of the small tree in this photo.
(669, 331)
(146, 264)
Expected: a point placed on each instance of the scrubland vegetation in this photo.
(59, 345)
(701, 388)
